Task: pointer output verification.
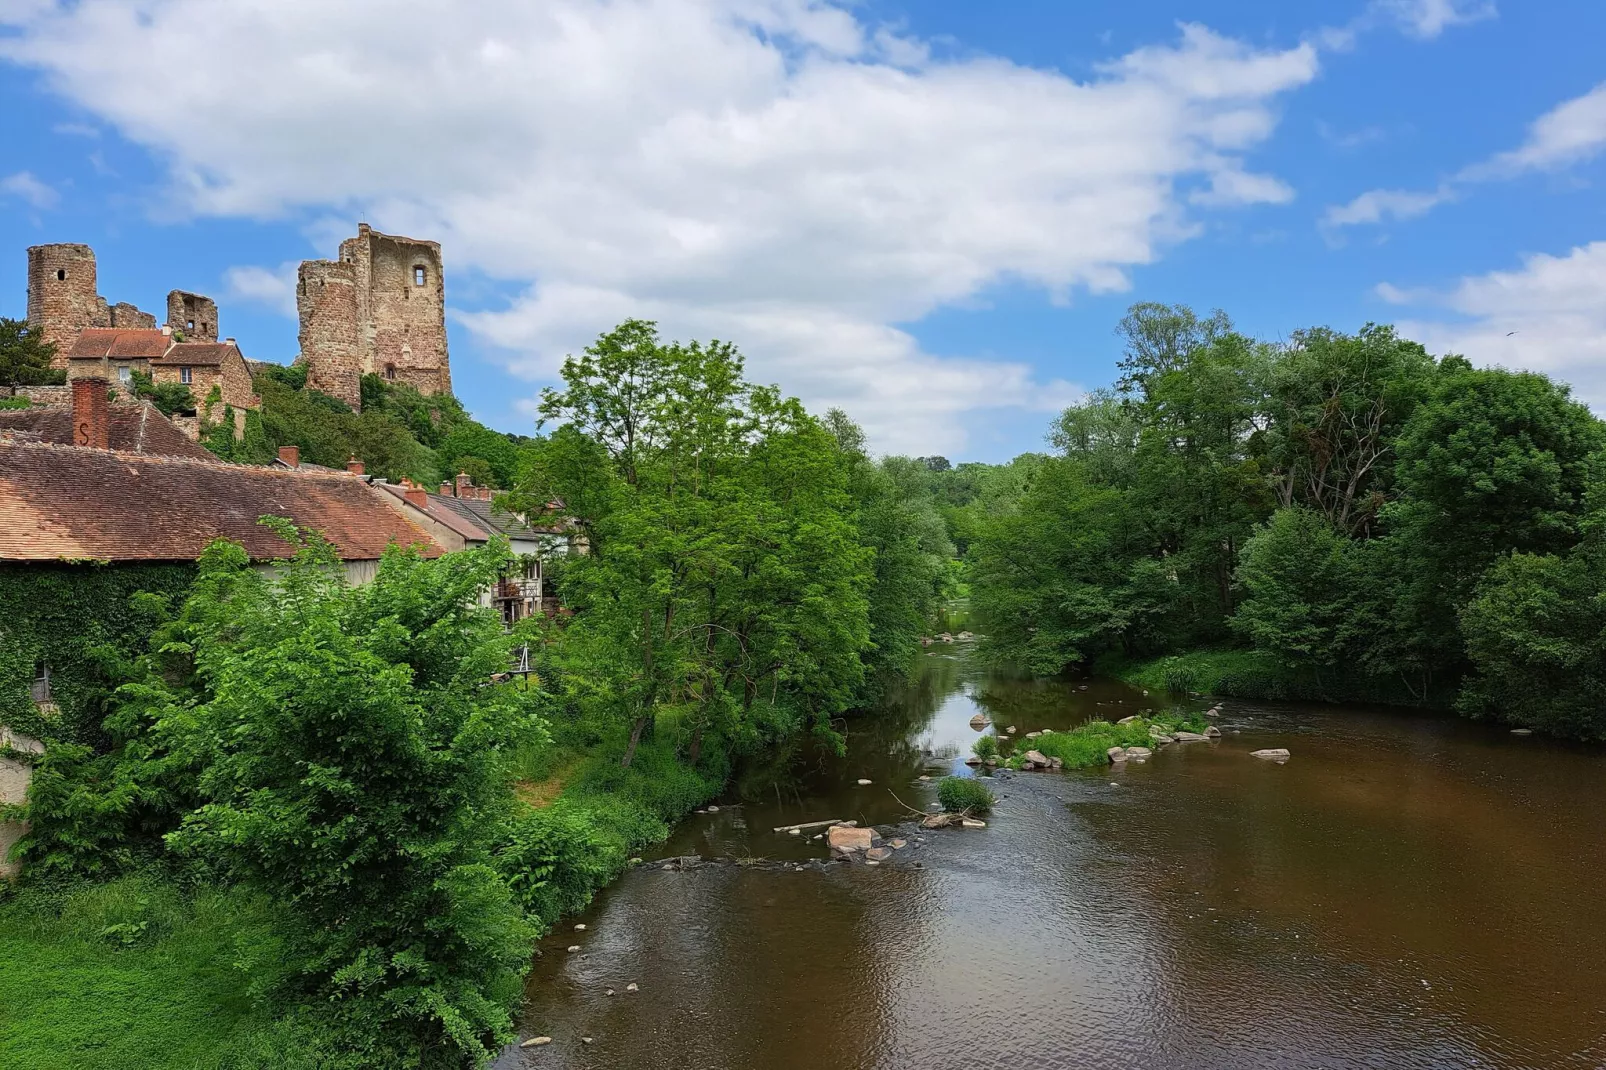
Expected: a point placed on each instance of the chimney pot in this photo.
(415, 495)
(354, 466)
(446, 490)
(228, 341)
(90, 423)
(290, 456)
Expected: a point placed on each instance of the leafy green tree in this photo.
(169, 398)
(1302, 584)
(351, 765)
(24, 356)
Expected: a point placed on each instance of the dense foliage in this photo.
(1367, 520)
(24, 356)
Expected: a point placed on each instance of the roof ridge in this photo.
(168, 458)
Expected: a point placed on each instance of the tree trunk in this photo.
(635, 738)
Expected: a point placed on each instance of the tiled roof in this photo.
(120, 342)
(489, 517)
(463, 526)
(132, 429)
(68, 503)
(197, 353)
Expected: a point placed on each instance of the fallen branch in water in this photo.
(812, 825)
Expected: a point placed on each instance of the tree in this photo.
(24, 356)
(351, 765)
(1301, 582)
(169, 398)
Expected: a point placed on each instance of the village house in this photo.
(463, 516)
(123, 492)
(215, 372)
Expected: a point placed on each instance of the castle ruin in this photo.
(380, 309)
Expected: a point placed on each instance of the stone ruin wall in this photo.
(394, 324)
(193, 316)
(326, 302)
(63, 299)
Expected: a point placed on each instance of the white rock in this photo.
(631, 987)
(1116, 754)
(863, 782)
(1213, 732)
(972, 823)
(573, 948)
(1522, 731)
(1272, 754)
(713, 809)
(923, 778)
(1127, 720)
(794, 832)
(580, 928)
(536, 1042)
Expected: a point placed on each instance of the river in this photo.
(1407, 891)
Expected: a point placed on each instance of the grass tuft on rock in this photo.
(985, 747)
(961, 793)
(1089, 744)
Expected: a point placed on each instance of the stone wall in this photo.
(398, 316)
(326, 301)
(192, 315)
(62, 299)
(14, 778)
(123, 314)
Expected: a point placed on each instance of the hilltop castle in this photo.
(380, 308)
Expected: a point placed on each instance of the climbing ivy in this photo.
(86, 621)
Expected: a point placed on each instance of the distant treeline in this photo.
(1365, 518)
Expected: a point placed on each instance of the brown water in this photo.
(1408, 891)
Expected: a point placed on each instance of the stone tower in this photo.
(62, 296)
(380, 308)
(192, 315)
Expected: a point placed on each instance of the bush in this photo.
(985, 747)
(962, 793)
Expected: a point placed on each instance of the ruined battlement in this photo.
(192, 315)
(64, 299)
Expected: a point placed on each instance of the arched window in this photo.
(61, 274)
(418, 276)
(390, 371)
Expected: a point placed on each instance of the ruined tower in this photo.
(62, 298)
(380, 308)
(193, 316)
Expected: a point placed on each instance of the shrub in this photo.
(960, 793)
(986, 746)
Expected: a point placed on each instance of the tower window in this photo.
(390, 371)
(418, 276)
(189, 325)
(61, 274)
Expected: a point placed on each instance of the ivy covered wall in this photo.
(85, 622)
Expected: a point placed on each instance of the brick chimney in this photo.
(290, 455)
(91, 424)
(416, 495)
(446, 490)
(464, 483)
(354, 466)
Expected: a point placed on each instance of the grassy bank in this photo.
(1089, 744)
(134, 972)
(1237, 673)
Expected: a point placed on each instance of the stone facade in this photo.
(381, 309)
(63, 301)
(193, 316)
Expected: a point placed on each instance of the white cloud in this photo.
(775, 171)
(273, 287)
(32, 192)
(1427, 19)
(1377, 205)
(1546, 315)
(1571, 132)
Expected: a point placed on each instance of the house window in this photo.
(125, 374)
(418, 276)
(184, 376)
(390, 371)
(41, 682)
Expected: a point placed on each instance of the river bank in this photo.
(1250, 674)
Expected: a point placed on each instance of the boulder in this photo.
(940, 821)
(878, 854)
(1272, 754)
(1127, 720)
(573, 948)
(580, 928)
(1138, 754)
(1213, 732)
(632, 987)
(713, 809)
(1056, 763)
(842, 838)
(1116, 754)
(972, 760)
(535, 1042)
(1037, 757)
(898, 845)
(966, 635)
(1189, 737)
(1010, 729)
(972, 823)
(863, 782)
(979, 722)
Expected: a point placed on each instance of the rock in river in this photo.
(1522, 731)
(878, 854)
(535, 1042)
(1213, 732)
(1128, 720)
(1036, 759)
(1272, 754)
(1189, 737)
(848, 840)
(1138, 754)
(1116, 754)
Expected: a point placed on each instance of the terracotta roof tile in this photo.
(133, 429)
(68, 503)
(120, 342)
(197, 353)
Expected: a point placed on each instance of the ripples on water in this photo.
(1408, 891)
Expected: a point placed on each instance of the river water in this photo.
(1407, 891)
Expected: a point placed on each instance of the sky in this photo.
(931, 213)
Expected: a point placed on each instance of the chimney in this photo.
(485, 494)
(354, 466)
(464, 483)
(167, 330)
(416, 495)
(90, 422)
(290, 456)
(446, 490)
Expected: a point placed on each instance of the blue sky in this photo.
(929, 213)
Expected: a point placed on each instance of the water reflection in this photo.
(1408, 891)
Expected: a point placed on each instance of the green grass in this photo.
(1089, 744)
(986, 746)
(960, 793)
(1238, 673)
(131, 973)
